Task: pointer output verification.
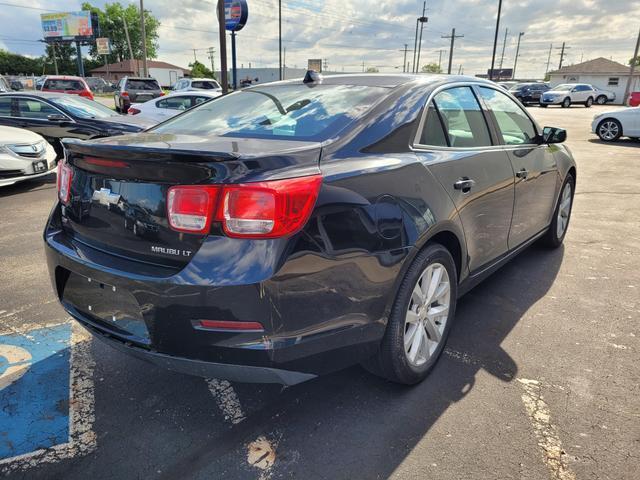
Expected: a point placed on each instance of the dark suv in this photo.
(529, 93)
(135, 90)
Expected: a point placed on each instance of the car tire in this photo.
(566, 103)
(117, 108)
(554, 236)
(410, 322)
(609, 130)
(601, 100)
(589, 102)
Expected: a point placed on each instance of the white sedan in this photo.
(24, 155)
(163, 108)
(612, 125)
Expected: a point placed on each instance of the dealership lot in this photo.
(539, 380)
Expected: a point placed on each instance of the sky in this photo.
(373, 33)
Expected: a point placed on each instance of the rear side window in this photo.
(175, 103)
(143, 84)
(294, 111)
(515, 126)
(35, 109)
(60, 84)
(433, 133)
(463, 119)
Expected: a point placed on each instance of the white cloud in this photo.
(348, 33)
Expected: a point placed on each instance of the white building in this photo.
(164, 72)
(601, 73)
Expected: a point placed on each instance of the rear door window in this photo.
(5, 107)
(143, 84)
(433, 132)
(175, 103)
(463, 119)
(516, 128)
(35, 109)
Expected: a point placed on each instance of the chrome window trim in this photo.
(417, 146)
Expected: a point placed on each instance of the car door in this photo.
(8, 111)
(536, 170)
(455, 143)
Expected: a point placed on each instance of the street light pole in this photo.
(495, 41)
(223, 47)
(145, 70)
(515, 63)
(415, 47)
(280, 37)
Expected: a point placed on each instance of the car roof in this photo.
(385, 79)
(199, 79)
(35, 93)
(141, 78)
(63, 77)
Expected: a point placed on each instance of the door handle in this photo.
(464, 184)
(522, 173)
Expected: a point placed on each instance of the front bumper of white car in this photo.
(551, 99)
(20, 164)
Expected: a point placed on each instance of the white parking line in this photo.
(227, 400)
(545, 431)
(82, 438)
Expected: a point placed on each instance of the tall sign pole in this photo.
(223, 46)
(495, 41)
(627, 90)
(280, 37)
(233, 18)
(145, 70)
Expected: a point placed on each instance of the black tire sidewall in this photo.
(394, 362)
(609, 120)
(552, 239)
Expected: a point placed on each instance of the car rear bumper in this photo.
(309, 328)
(551, 101)
(4, 182)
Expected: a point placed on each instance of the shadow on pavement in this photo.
(28, 185)
(623, 142)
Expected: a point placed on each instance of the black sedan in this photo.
(56, 116)
(302, 226)
(529, 93)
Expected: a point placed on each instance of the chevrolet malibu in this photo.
(291, 229)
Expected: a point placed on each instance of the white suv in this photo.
(190, 84)
(569, 93)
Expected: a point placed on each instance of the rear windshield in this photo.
(278, 111)
(143, 84)
(205, 84)
(83, 108)
(59, 84)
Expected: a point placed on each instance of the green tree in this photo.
(636, 60)
(13, 64)
(431, 68)
(200, 70)
(372, 70)
(65, 57)
(112, 26)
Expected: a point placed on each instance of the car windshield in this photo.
(205, 84)
(564, 87)
(143, 84)
(280, 111)
(83, 108)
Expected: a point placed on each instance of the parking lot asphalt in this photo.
(540, 379)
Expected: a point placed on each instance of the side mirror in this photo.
(57, 117)
(553, 135)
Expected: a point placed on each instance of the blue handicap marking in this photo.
(34, 390)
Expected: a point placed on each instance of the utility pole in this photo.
(453, 37)
(548, 59)
(404, 63)
(504, 45)
(55, 61)
(459, 69)
(515, 63)
(422, 21)
(562, 49)
(280, 36)
(211, 54)
(145, 70)
(284, 62)
(223, 47)
(194, 55)
(126, 33)
(627, 90)
(495, 41)
(362, 66)
(440, 61)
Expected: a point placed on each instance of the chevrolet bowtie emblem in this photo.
(105, 197)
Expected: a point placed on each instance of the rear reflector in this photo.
(227, 325)
(270, 209)
(190, 207)
(65, 175)
(103, 162)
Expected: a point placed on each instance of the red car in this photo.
(67, 84)
(634, 99)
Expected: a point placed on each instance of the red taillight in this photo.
(191, 207)
(228, 326)
(65, 175)
(133, 111)
(87, 94)
(250, 210)
(125, 94)
(269, 209)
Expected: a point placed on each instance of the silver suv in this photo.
(568, 93)
(135, 90)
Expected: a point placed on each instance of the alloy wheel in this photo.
(427, 314)
(609, 130)
(564, 210)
